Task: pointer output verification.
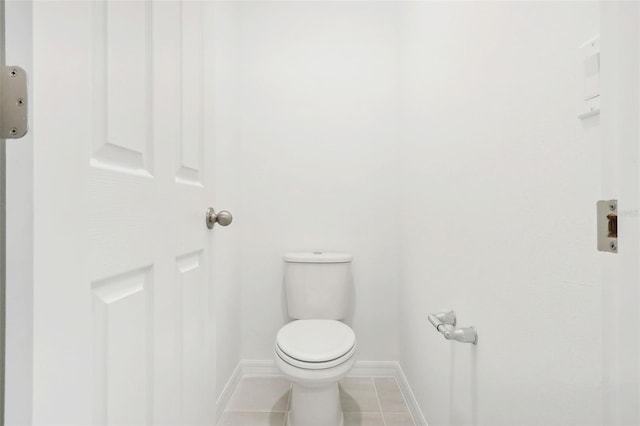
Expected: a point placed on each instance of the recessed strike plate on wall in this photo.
(13, 102)
(608, 225)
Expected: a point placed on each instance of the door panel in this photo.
(122, 352)
(121, 84)
(191, 159)
(192, 332)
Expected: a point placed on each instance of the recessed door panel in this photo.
(190, 152)
(121, 84)
(190, 277)
(122, 330)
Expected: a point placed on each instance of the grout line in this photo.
(384, 422)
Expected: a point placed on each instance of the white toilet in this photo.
(316, 350)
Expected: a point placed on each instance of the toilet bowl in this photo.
(315, 354)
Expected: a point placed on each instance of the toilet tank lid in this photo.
(318, 257)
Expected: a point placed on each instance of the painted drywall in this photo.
(620, 85)
(500, 181)
(315, 159)
(222, 58)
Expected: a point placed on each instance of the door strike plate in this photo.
(607, 211)
(13, 102)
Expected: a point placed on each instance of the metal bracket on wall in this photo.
(13, 102)
(607, 211)
(445, 323)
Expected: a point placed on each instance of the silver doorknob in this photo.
(223, 218)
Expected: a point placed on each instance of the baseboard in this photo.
(374, 369)
(410, 398)
(260, 368)
(268, 368)
(226, 393)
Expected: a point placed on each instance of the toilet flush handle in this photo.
(223, 218)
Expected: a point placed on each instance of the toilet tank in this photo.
(318, 284)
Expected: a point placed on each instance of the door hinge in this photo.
(13, 102)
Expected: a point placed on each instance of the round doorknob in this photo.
(223, 218)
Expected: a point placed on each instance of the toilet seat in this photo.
(304, 365)
(315, 344)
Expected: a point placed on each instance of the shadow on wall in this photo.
(460, 409)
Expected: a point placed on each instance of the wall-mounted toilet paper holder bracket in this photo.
(445, 323)
(442, 319)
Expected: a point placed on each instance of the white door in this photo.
(123, 326)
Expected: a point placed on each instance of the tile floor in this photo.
(366, 401)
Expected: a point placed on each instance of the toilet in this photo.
(316, 349)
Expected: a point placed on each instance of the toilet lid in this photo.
(315, 340)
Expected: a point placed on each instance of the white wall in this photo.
(222, 58)
(315, 160)
(500, 182)
(620, 83)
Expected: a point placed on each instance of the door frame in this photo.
(17, 391)
(3, 256)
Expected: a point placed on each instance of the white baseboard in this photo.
(268, 368)
(374, 369)
(259, 368)
(410, 398)
(226, 393)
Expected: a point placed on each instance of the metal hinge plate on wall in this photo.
(13, 102)
(607, 211)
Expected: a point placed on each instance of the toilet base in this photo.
(315, 405)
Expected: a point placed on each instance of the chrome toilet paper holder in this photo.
(445, 323)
